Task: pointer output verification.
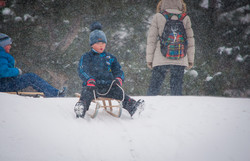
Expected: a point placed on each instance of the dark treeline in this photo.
(51, 35)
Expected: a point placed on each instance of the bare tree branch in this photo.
(70, 36)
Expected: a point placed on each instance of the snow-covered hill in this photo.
(171, 128)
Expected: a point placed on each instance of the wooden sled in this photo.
(106, 103)
(30, 94)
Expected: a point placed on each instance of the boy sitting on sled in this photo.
(102, 75)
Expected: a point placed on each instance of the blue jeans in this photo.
(158, 76)
(14, 84)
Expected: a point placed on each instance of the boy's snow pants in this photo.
(14, 84)
(158, 76)
(115, 92)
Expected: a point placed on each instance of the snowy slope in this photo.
(171, 128)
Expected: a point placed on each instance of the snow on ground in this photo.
(187, 128)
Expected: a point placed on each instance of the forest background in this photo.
(49, 37)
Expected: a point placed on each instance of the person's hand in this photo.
(91, 84)
(118, 81)
(190, 65)
(20, 71)
(149, 64)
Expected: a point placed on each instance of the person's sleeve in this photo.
(190, 39)
(117, 69)
(152, 39)
(5, 71)
(83, 69)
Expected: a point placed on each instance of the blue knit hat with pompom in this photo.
(96, 34)
(5, 40)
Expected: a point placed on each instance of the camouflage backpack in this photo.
(174, 38)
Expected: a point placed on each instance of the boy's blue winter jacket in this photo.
(104, 68)
(7, 65)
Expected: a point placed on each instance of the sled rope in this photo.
(104, 94)
(98, 105)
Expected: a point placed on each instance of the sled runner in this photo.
(110, 105)
(30, 94)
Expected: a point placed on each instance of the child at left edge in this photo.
(98, 69)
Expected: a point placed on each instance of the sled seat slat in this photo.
(104, 100)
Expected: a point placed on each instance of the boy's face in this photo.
(7, 48)
(99, 47)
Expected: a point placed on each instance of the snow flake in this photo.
(18, 19)
(56, 44)
(218, 73)
(193, 73)
(7, 11)
(75, 62)
(220, 50)
(239, 58)
(209, 78)
(228, 17)
(223, 49)
(85, 29)
(247, 32)
(66, 66)
(204, 4)
(228, 51)
(245, 19)
(28, 16)
(66, 21)
(121, 34)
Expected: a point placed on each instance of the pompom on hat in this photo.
(5, 40)
(96, 35)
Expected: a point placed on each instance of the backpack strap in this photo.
(168, 15)
(182, 16)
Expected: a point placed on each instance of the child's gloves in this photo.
(118, 81)
(91, 84)
(20, 71)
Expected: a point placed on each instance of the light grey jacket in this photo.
(153, 51)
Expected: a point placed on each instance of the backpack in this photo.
(173, 41)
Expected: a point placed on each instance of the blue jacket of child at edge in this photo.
(7, 64)
(103, 68)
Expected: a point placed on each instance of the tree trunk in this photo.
(70, 36)
(212, 11)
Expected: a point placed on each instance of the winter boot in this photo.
(133, 106)
(62, 92)
(80, 109)
(137, 108)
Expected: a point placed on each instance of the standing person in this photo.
(12, 79)
(173, 10)
(101, 72)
